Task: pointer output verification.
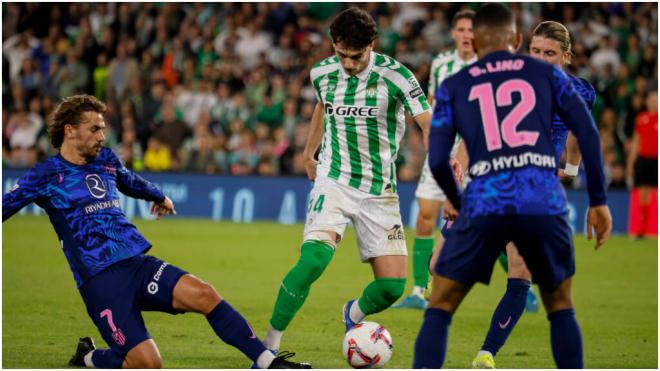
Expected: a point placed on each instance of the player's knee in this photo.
(391, 288)
(556, 299)
(314, 258)
(425, 225)
(208, 294)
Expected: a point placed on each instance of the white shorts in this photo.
(377, 219)
(427, 187)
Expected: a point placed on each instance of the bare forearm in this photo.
(315, 135)
(573, 155)
(423, 120)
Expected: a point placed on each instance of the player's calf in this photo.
(143, 355)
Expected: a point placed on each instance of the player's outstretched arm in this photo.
(30, 188)
(313, 141)
(133, 185)
(599, 219)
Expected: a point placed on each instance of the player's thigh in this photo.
(429, 197)
(379, 228)
(191, 294)
(389, 266)
(546, 245)
(516, 263)
(158, 283)
(328, 213)
(143, 355)
(436, 252)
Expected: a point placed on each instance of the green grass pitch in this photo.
(615, 293)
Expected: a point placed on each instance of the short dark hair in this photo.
(462, 14)
(493, 15)
(70, 111)
(354, 28)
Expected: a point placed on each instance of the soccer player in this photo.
(551, 42)
(79, 188)
(643, 159)
(358, 122)
(429, 195)
(515, 195)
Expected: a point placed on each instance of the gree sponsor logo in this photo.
(351, 111)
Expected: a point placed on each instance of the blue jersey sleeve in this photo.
(441, 141)
(32, 187)
(133, 185)
(587, 92)
(576, 117)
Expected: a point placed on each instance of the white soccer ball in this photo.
(367, 345)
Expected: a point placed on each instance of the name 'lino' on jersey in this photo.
(364, 120)
(82, 202)
(506, 121)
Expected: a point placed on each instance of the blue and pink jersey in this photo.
(504, 106)
(82, 202)
(559, 130)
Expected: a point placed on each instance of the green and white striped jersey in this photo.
(444, 65)
(364, 120)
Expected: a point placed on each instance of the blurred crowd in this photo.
(224, 87)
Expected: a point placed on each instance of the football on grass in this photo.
(367, 345)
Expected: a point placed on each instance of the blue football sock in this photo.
(107, 358)
(234, 330)
(506, 315)
(566, 339)
(431, 343)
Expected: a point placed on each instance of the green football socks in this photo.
(314, 258)
(503, 261)
(380, 294)
(422, 251)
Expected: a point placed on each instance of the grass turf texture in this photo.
(615, 293)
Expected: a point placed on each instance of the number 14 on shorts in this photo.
(316, 205)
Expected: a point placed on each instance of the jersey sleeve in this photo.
(315, 80)
(32, 187)
(133, 185)
(441, 141)
(433, 76)
(575, 115)
(588, 93)
(412, 96)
